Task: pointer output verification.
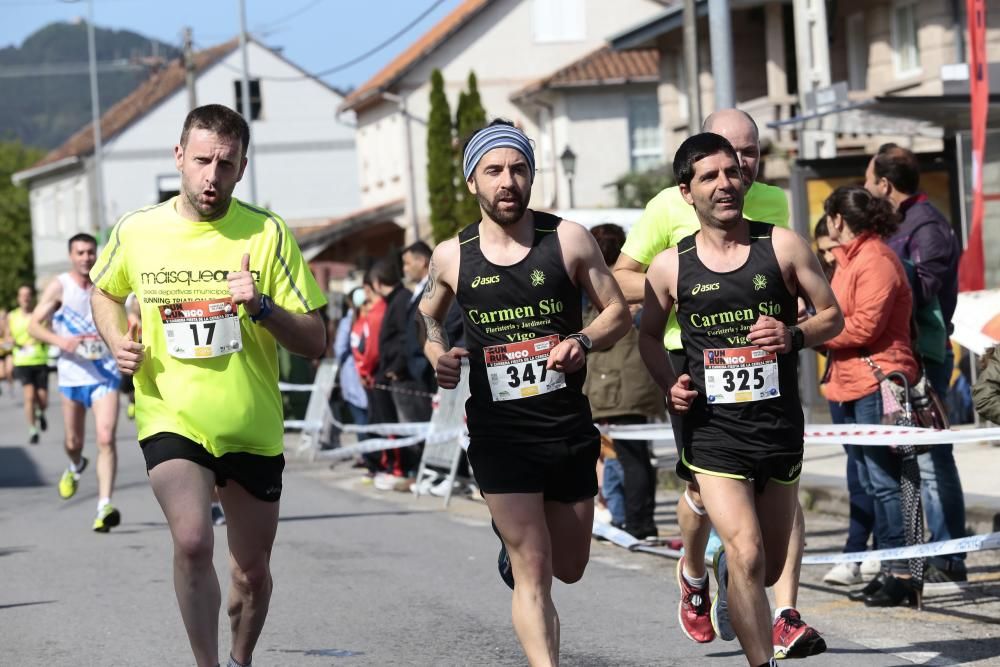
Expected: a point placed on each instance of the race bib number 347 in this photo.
(740, 375)
(517, 370)
(201, 329)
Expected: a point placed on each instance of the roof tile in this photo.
(601, 67)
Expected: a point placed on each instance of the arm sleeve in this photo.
(293, 286)
(875, 291)
(931, 256)
(986, 392)
(647, 237)
(110, 273)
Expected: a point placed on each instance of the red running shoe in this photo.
(693, 611)
(792, 638)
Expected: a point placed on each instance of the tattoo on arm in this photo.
(431, 287)
(435, 332)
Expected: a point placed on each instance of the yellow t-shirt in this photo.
(227, 403)
(28, 351)
(668, 218)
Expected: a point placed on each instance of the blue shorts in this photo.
(88, 393)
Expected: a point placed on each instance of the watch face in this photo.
(585, 341)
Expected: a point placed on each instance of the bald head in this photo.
(739, 128)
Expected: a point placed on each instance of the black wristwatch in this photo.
(266, 306)
(798, 338)
(584, 341)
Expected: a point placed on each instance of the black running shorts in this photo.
(563, 471)
(759, 468)
(259, 475)
(36, 375)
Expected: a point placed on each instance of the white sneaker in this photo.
(441, 488)
(843, 574)
(602, 515)
(384, 481)
(870, 568)
(424, 486)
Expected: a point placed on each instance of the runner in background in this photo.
(6, 359)
(31, 363)
(88, 375)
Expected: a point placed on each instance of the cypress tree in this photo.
(440, 163)
(469, 117)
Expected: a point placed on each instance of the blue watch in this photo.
(266, 308)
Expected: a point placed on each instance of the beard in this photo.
(504, 217)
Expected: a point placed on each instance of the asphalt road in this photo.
(370, 578)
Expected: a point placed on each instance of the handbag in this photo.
(905, 404)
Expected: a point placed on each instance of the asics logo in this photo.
(795, 469)
(704, 287)
(485, 280)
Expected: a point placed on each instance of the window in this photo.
(645, 141)
(905, 49)
(254, 98)
(857, 52)
(560, 21)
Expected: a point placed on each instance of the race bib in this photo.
(92, 348)
(201, 329)
(517, 370)
(741, 375)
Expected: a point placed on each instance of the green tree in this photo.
(440, 163)
(469, 117)
(636, 188)
(16, 261)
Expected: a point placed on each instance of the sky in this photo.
(316, 35)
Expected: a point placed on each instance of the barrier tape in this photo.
(288, 386)
(379, 444)
(825, 434)
(984, 542)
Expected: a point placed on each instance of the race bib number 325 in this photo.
(740, 375)
(201, 329)
(517, 370)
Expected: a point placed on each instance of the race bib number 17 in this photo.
(517, 370)
(201, 329)
(740, 375)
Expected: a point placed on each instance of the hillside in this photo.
(43, 110)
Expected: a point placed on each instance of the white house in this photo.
(303, 150)
(510, 45)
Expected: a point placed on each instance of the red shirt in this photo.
(372, 322)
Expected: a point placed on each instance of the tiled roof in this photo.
(135, 105)
(432, 39)
(601, 68)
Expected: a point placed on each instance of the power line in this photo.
(271, 25)
(364, 56)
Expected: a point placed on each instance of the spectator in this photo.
(873, 292)
(380, 407)
(392, 377)
(420, 375)
(986, 393)
(622, 392)
(351, 388)
(927, 240)
(862, 507)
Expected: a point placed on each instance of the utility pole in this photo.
(721, 37)
(812, 51)
(245, 98)
(189, 70)
(95, 113)
(691, 66)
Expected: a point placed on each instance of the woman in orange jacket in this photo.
(874, 295)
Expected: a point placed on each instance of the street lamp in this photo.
(568, 161)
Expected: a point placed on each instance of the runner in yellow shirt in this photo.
(31, 363)
(220, 283)
(666, 220)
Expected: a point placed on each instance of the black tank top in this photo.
(746, 405)
(526, 301)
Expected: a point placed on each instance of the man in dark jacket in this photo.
(926, 240)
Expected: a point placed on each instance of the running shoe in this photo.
(694, 609)
(503, 560)
(33, 436)
(218, 516)
(70, 480)
(720, 603)
(43, 423)
(843, 574)
(792, 638)
(107, 518)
